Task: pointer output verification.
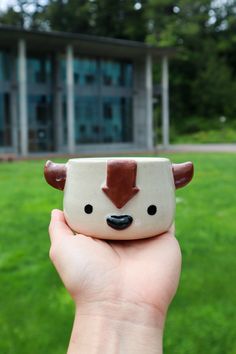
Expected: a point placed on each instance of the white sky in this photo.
(5, 3)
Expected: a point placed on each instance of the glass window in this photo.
(39, 70)
(127, 119)
(85, 71)
(98, 118)
(64, 120)
(127, 74)
(5, 66)
(82, 128)
(40, 123)
(5, 123)
(111, 73)
(2, 119)
(117, 115)
(112, 119)
(115, 73)
(62, 69)
(107, 110)
(111, 124)
(86, 120)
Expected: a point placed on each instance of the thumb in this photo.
(58, 228)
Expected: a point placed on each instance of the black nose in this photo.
(119, 222)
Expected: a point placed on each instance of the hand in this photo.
(120, 277)
(139, 271)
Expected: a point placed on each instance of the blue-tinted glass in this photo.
(117, 118)
(85, 71)
(39, 70)
(111, 73)
(87, 127)
(62, 69)
(64, 120)
(99, 118)
(1, 118)
(5, 122)
(112, 123)
(115, 73)
(112, 116)
(127, 119)
(40, 123)
(128, 74)
(5, 66)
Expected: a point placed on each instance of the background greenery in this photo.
(36, 314)
(203, 72)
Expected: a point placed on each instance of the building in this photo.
(71, 93)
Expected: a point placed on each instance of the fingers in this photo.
(58, 228)
(170, 232)
(172, 229)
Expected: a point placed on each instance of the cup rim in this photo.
(104, 159)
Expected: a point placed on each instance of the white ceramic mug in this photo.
(119, 198)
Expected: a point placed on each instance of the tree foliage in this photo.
(203, 31)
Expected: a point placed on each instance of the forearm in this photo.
(116, 329)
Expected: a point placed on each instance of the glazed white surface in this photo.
(84, 182)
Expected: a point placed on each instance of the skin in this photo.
(121, 289)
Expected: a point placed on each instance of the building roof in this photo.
(84, 44)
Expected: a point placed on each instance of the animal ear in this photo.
(55, 174)
(183, 173)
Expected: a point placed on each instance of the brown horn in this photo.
(183, 173)
(55, 174)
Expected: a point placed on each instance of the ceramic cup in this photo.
(119, 198)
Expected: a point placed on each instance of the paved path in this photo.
(199, 148)
(159, 150)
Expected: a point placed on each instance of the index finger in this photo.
(58, 228)
(172, 229)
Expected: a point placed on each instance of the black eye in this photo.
(152, 209)
(88, 208)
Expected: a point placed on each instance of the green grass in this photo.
(36, 313)
(224, 135)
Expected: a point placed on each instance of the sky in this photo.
(4, 3)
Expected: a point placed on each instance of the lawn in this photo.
(224, 135)
(36, 313)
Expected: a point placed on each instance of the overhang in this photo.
(41, 41)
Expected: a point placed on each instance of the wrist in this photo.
(116, 327)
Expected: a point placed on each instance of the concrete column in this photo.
(140, 105)
(149, 101)
(57, 104)
(165, 102)
(23, 113)
(14, 120)
(70, 99)
(13, 106)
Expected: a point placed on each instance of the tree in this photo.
(25, 14)
(11, 17)
(98, 17)
(202, 74)
(69, 16)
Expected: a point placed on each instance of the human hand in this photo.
(126, 280)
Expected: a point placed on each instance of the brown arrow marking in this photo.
(120, 184)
